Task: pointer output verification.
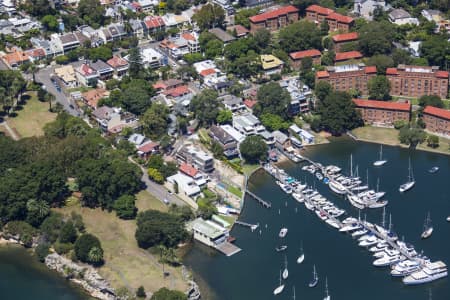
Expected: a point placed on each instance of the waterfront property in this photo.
(416, 81)
(382, 113)
(437, 120)
(347, 77)
(274, 19)
(196, 157)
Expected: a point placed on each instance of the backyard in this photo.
(127, 265)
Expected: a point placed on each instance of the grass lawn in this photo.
(444, 146)
(146, 201)
(126, 265)
(31, 119)
(387, 136)
(248, 169)
(235, 191)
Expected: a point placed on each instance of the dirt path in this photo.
(11, 132)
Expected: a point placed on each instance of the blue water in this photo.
(254, 273)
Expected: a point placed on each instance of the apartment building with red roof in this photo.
(319, 14)
(347, 77)
(382, 113)
(437, 120)
(275, 19)
(295, 58)
(340, 40)
(416, 81)
(344, 56)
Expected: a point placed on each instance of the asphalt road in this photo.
(43, 76)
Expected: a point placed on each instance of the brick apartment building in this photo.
(340, 40)
(437, 120)
(318, 14)
(295, 58)
(344, 56)
(346, 77)
(381, 112)
(416, 81)
(275, 19)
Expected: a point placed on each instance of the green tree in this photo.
(400, 56)
(136, 97)
(225, 116)
(135, 62)
(125, 207)
(42, 250)
(338, 113)
(68, 233)
(103, 53)
(37, 211)
(83, 246)
(273, 99)
(50, 23)
(322, 90)
(301, 35)
(242, 15)
(206, 106)
(140, 293)
(51, 226)
(155, 120)
(382, 62)
(376, 38)
(39, 8)
(411, 136)
(436, 50)
(379, 88)
(95, 255)
(273, 122)
(209, 16)
(92, 12)
(166, 294)
(431, 100)
(155, 175)
(328, 58)
(262, 38)
(159, 228)
(213, 49)
(253, 149)
(433, 141)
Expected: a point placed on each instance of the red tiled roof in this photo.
(148, 147)
(340, 18)
(345, 37)
(207, 72)
(370, 69)
(382, 104)
(178, 91)
(438, 112)
(442, 74)
(159, 85)
(93, 96)
(17, 57)
(240, 30)
(319, 9)
(187, 36)
(36, 53)
(153, 22)
(322, 74)
(391, 71)
(305, 53)
(250, 103)
(86, 70)
(188, 169)
(348, 55)
(274, 14)
(117, 61)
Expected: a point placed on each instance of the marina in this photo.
(336, 255)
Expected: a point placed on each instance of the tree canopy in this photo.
(209, 16)
(166, 294)
(432, 100)
(155, 120)
(84, 246)
(92, 12)
(253, 149)
(206, 106)
(379, 88)
(272, 99)
(376, 38)
(301, 35)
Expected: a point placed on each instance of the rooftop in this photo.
(345, 37)
(319, 9)
(222, 35)
(274, 14)
(188, 169)
(305, 53)
(340, 56)
(438, 112)
(382, 104)
(269, 61)
(208, 228)
(340, 18)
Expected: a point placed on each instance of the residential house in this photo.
(86, 75)
(23, 25)
(194, 173)
(400, 16)
(301, 95)
(137, 28)
(119, 65)
(152, 58)
(6, 27)
(347, 77)
(153, 24)
(8, 7)
(253, 3)
(209, 233)
(105, 35)
(366, 8)
(92, 97)
(200, 159)
(340, 41)
(15, 59)
(113, 120)
(432, 15)
(167, 84)
(148, 148)
(236, 135)
(345, 56)
(177, 47)
(186, 185)
(437, 120)
(147, 5)
(416, 81)
(238, 30)
(271, 64)
(176, 21)
(67, 75)
(295, 58)
(222, 35)
(104, 70)
(36, 54)
(319, 14)
(228, 144)
(212, 76)
(275, 19)
(117, 31)
(247, 124)
(233, 103)
(66, 41)
(382, 113)
(282, 141)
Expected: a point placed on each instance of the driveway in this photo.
(43, 76)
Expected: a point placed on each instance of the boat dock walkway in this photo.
(228, 248)
(261, 201)
(251, 226)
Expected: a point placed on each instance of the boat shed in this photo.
(306, 136)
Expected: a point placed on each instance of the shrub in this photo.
(400, 124)
(68, 233)
(141, 292)
(42, 251)
(155, 175)
(62, 248)
(125, 207)
(84, 244)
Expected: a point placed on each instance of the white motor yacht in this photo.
(387, 260)
(379, 247)
(370, 241)
(405, 268)
(337, 187)
(351, 227)
(430, 272)
(359, 232)
(298, 197)
(386, 251)
(333, 223)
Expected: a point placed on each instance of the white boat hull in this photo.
(406, 186)
(300, 259)
(427, 233)
(278, 290)
(409, 280)
(379, 163)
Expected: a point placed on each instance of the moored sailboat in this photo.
(327, 294)
(315, 279)
(301, 258)
(410, 183)
(381, 161)
(285, 271)
(280, 288)
(427, 228)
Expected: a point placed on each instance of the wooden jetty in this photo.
(261, 201)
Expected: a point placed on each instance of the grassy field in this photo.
(248, 169)
(235, 191)
(381, 135)
(32, 118)
(147, 201)
(127, 265)
(444, 146)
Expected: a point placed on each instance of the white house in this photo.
(186, 185)
(402, 17)
(366, 8)
(209, 233)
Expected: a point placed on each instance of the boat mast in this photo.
(383, 218)
(326, 286)
(390, 222)
(381, 152)
(367, 176)
(293, 288)
(351, 165)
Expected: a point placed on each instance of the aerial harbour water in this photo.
(254, 273)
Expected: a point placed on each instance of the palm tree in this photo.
(33, 69)
(95, 255)
(40, 207)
